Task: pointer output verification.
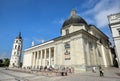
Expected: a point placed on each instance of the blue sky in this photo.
(42, 19)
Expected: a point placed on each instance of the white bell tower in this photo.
(16, 52)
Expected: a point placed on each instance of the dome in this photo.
(74, 19)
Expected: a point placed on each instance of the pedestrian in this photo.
(101, 71)
(94, 69)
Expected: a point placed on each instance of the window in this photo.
(14, 53)
(119, 32)
(67, 31)
(16, 41)
(101, 40)
(19, 47)
(15, 46)
(67, 45)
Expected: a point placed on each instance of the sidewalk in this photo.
(110, 74)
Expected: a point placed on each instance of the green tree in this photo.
(1, 61)
(7, 61)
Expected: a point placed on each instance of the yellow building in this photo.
(80, 46)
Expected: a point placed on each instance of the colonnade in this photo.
(43, 57)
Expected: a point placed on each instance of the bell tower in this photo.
(16, 52)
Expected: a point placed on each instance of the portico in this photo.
(43, 57)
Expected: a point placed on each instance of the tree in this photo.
(7, 61)
(1, 61)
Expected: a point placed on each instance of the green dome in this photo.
(74, 19)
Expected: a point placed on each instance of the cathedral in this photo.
(81, 46)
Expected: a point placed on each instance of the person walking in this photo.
(101, 71)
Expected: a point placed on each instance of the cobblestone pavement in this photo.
(110, 74)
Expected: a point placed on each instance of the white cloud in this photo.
(88, 4)
(101, 17)
(102, 9)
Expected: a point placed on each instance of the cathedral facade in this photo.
(80, 46)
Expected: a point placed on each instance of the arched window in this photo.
(19, 47)
(16, 41)
(67, 31)
(15, 46)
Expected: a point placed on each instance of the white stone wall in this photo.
(59, 53)
(27, 59)
(114, 21)
(117, 43)
(73, 29)
(114, 30)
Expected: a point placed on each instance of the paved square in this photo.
(110, 74)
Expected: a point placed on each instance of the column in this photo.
(33, 59)
(111, 58)
(87, 55)
(45, 58)
(99, 52)
(94, 55)
(54, 53)
(104, 56)
(49, 56)
(37, 61)
(41, 58)
(97, 55)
